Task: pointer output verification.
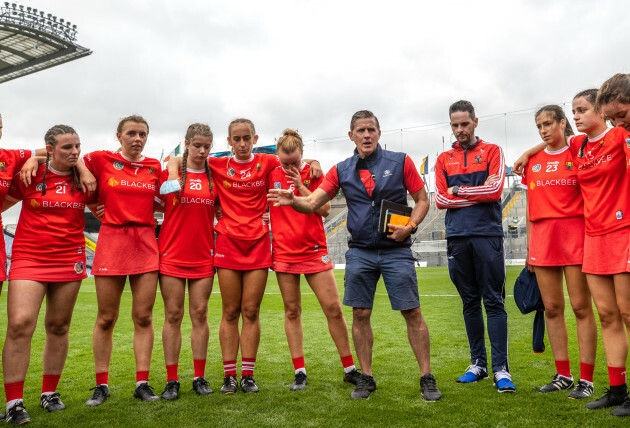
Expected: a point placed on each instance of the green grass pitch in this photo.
(326, 401)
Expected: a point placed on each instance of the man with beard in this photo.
(469, 182)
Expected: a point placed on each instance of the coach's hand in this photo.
(493, 178)
(400, 233)
(280, 197)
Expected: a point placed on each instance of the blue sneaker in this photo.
(473, 374)
(503, 381)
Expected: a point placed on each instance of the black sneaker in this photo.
(429, 389)
(299, 382)
(610, 399)
(145, 392)
(200, 386)
(248, 384)
(17, 414)
(51, 402)
(365, 386)
(623, 410)
(558, 383)
(229, 385)
(101, 392)
(352, 377)
(583, 389)
(171, 391)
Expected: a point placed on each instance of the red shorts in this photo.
(557, 242)
(607, 254)
(125, 250)
(319, 263)
(48, 271)
(239, 254)
(187, 272)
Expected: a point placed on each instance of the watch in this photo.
(414, 227)
(455, 190)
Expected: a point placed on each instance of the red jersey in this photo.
(126, 188)
(11, 161)
(552, 186)
(51, 226)
(297, 237)
(604, 180)
(413, 181)
(187, 235)
(242, 190)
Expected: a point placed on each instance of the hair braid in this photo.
(45, 171)
(208, 174)
(75, 180)
(184, 168)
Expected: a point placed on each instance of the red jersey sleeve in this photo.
(330, 184)
(413, 181)
(272, 161)
(490, 192)
(16, 190)
(20, 157)
(94, 162)
(442, 198)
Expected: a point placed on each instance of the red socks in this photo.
(14, 391)
(229, 368)
(50, 382)
(586, 371)
(247, 366)
(171, 372)
(102, 378)
(617, 376)
(347, 362)
(298, 363)
(200, 368)
(563, 368)
(142, 376)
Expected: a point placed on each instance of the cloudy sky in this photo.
(311, 64)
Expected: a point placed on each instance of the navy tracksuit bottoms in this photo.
(476, 265)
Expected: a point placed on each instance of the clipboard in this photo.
(392, 213)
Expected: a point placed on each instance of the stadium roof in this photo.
(31, 41)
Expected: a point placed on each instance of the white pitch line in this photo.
(312, 294)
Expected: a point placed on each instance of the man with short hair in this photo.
(366, 178)
(469, 182)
